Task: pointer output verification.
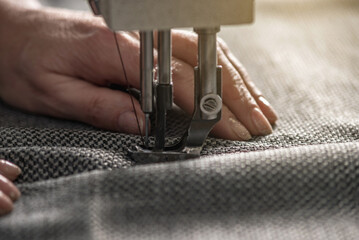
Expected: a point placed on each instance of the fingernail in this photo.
(261, 122)
(273, 114)
(8, 188)
(8, 168)
(15, 195)
(239, 129)
(128, 123)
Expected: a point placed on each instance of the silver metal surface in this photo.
(166, 14)
(146, 68)
(164, 57)
(207, 65)
(146, 77)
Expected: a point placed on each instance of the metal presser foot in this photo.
(156, 94)
(207, 97)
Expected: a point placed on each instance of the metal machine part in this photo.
(210, 103)
(129, 15)
(146, 77)
(146, 67)
(164, 98)
(157, 96)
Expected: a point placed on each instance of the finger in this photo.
(183, 85)
(101, 107)
(9, 170)
(6, 204)
(265, 106)
(230, 128)
(8, 188)
(240, 101)
(184, 46)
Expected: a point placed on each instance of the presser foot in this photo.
(141, 155)
(208, 111)
(190, 146)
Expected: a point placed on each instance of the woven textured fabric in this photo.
(301, 182)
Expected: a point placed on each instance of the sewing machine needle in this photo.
(147, 122)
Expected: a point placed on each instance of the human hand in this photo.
(8, 191)
(62, 63)
(245, 111)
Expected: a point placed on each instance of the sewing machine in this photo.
(206, 17)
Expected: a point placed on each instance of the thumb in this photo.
(98, 106)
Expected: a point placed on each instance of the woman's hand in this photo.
(60, 63)
(8, 192)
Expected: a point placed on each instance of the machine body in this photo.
(147, 16)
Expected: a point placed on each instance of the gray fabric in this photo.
(301, 182)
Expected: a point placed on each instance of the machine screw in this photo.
(211, 104)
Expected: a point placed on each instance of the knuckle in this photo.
(235, 77)
(252, 103)
(91, 31)
(101, 34)
(182, 73)
(238, 91)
